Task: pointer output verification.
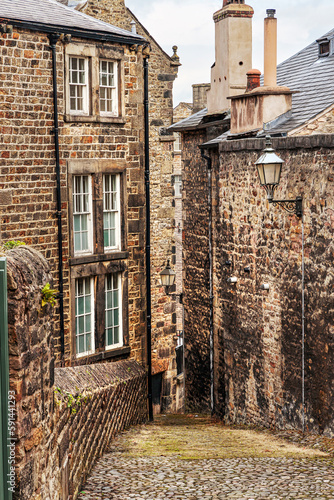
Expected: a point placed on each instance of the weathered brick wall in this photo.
(106, 400)
(258, 347)
(162, 73)
(27, 173)
(31, 362)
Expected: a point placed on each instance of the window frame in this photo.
(177, 142)
(90, 215)
(92, 313)
(94, 54)
(114, 88)
(85, 97)
(178, 192)
(117, 246)
(116, 345)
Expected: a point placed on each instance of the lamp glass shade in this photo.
(167, 276)
(269, 173)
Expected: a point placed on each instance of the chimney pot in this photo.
(271, 12)
(253, 79)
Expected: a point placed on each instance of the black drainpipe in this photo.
(54, 37)
(148, 237)
(209, 164)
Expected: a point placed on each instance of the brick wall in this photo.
(258, 349)
(27, 172)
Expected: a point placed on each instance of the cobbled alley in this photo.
(195, 458)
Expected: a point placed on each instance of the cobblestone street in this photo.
(145, 463)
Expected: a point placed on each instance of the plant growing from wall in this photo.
(49, 295)
(11, 244)
(72, 401)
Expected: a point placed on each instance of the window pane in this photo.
(81, 324)
(81, 305)
(81, 344)
(116, 335)
(115, 298)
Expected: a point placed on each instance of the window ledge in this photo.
(167, 138)
(94, 119)
(100, 356)
(89, 259)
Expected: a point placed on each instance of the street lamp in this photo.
(167, 278)
(269, 167)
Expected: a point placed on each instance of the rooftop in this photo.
(47, 15)
(312, 76)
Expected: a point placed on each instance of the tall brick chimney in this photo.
(233, 53)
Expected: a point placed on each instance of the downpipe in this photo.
(54, 37)
(146, 55)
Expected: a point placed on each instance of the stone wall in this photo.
(196, 274)
(103, 401)
(31, 363)
(258, 348)
(65, 417)
(28, 179)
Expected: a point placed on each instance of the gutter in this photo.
(54, 37)
(78, 32)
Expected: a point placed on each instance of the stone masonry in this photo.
(257, 333)
(65, 417)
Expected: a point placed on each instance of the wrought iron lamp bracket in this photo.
(290, 206)
(174, 295)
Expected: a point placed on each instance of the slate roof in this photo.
(305, 72)
(46, 14)
(313, 77)
(192, 122)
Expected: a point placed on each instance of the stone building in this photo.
(163, 70)
(99, 141)
(72, 175)
(249, 355)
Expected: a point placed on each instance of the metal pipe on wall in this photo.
(148, 236)
(54, 37)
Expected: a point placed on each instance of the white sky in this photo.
(189, 25)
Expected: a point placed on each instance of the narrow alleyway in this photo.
(196, 458)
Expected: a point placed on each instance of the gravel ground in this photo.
(118, 475)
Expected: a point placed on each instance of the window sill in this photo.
(100, 356)
(94, 119)
(89, 259)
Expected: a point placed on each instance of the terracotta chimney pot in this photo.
(253, 79)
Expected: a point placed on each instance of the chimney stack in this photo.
(233, 54)
(270, 49)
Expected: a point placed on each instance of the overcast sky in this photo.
(189, 25)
